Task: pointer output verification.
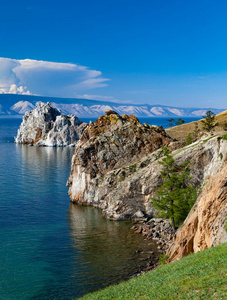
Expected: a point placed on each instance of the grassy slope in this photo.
(198, 276)
(181, 132)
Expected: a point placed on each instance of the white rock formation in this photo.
(47, 126)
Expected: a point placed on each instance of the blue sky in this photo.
(156, 52)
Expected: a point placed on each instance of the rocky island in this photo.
(47, 126)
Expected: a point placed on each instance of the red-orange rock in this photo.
(205, 224)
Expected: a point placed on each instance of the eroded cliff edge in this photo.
(47, 126)
(115, 165)
(205, 225)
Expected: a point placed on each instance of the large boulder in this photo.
(47, 126)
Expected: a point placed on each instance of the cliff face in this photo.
(47, 126)
(115, 165)
(107, 153)
(205, 224)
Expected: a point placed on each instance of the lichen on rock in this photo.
(47, 126)
(108, 153)
(116, 165)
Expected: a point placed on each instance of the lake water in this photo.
(159, 121)
(50, 248)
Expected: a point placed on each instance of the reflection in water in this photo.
(49, 248)
(40, 157)
(109, 247)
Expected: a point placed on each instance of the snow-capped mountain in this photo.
(22, 106)
(11, 104)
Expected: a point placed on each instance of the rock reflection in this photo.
(43, 156)
(45, 163)
(109, 247)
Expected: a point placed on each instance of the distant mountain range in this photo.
(16, 105)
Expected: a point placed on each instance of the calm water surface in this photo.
(49, 248)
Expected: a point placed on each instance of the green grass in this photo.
(198, 276)
(225, 136)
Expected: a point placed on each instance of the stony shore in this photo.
(160, 232)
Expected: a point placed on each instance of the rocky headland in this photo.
(116, 168)
(47, 126)
(115, 165)
(110, 165)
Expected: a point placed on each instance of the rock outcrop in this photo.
(47, 126)
(107, 153)
(205, 225)
(115, 166)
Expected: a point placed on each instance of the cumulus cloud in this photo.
(45, 78)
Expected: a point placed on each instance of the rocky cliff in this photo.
(205, 224)
(115, 166)
(47, 126)
(108, 153)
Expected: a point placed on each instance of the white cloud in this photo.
(103, 98)
(97, 97)
(47, 78)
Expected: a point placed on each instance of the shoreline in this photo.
(160, 233)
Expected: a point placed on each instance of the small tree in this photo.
(196, 131)
(170, 122)
(176, 196)
(179, 122)
(225, 126)
(189, 139)
(209, 121)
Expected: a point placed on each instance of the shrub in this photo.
(163, 259)
(225, 126)
(132, 168)
(189, 139)
(225, 137)
(122, 178)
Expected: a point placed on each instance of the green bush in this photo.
(225, 137)
(122, 178)
(132, 168)
(163, 259)
(189, 139)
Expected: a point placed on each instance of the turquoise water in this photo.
(50, 248)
